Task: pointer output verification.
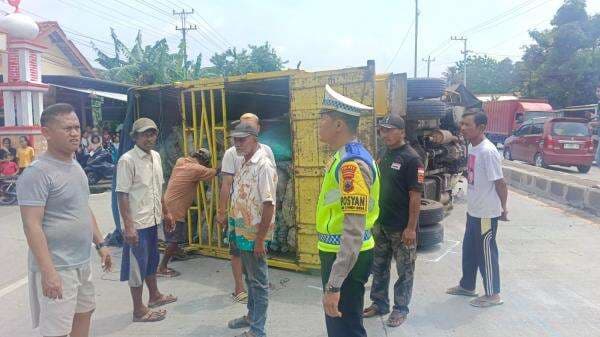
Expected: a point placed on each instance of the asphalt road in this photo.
(549, 269)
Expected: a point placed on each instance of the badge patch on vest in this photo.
(421, 174)
(355, 192)
(396, 166)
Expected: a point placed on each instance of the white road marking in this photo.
(9, 289)
(448, 250)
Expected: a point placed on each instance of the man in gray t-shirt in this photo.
(59, 225)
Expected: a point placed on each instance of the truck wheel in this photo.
(417, 88)
(583, 168)
(430, 235)
(507, 154)
(431, 213)
(426, 109)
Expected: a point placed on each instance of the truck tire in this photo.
(426, 109)
(417, 88)
(431, 213)
(430, 236)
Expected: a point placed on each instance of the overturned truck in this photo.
(199, 113)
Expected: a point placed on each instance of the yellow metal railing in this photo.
(205, 130)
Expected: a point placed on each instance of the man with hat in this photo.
(252, 212)
(230, 164)
(402, 176)
(179, 196)
(346, 211)
(139, 192)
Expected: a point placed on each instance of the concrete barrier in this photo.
(552, 187)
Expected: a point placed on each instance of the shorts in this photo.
(233, 248)
(141, 260)
(55, 317)
(178, 235)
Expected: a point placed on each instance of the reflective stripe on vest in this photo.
(330, 218)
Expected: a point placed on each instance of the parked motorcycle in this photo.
(8, 191)
(99, 166)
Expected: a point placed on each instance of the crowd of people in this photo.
(14, 160)
(93, 140)
(366, 215)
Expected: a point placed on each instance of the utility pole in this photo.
(416, 35)
(428, 60)
(184, 28)
(465, 52)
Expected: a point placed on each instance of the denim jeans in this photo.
(257, 281)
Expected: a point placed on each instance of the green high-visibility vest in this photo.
(333, 199)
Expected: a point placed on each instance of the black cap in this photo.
(243, 130)
(392, 121)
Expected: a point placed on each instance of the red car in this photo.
(552, 141)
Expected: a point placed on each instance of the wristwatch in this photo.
(100, 245)
(332, 289)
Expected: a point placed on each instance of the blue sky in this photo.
(320, 34)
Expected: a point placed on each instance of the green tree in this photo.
(485, 75)
(563, 63)
(152, 64)
(235, 62)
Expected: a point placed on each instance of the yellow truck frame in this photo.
(204, 114)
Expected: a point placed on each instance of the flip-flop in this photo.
(151, 316)
(460, 291)
(396, 319)
(241, 297)
(481, 302)
(170, 273)
(372, 311)
(166, 299)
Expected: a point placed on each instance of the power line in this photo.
(210, 30)
(184, 28)
(110, 17)
(442, 47)
(428, 60)
(465, 52)
(400, 47)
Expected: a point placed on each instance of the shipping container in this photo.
(198, 114)
(505, 116)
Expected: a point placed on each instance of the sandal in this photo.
(169, 273)
(396, 319)
(485, 302)
(240, 298)
(238, 323)
(163, 301)
(372, 311)
(460, 291)
(151, 316)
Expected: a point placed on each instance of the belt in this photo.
(334, 239)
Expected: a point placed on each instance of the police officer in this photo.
(402, 175)
(346, 211)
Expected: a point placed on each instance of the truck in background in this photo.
(504, 117)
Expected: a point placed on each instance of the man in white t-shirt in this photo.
(230, 165)
(486, 204)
